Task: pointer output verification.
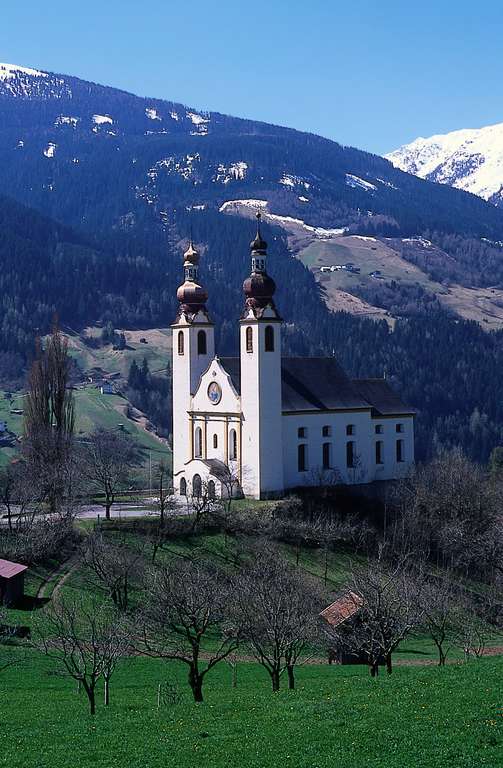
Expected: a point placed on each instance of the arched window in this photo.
(249, 339)
(211, 489)
(302, 457)
(350, 454)
(197, 486)
(198, 451)
(233, 452)
(180, 343)
(269, 338)
(215, 441)
(183, 487)
(201, 343)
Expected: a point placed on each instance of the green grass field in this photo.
(421, 716)
(338, 717)
(157, 350)
(93, 410)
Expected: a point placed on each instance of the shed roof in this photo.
(320, 384)
(8, 569)
(342, 609)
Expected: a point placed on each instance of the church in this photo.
(261, 424)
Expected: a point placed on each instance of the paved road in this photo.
(118, 511)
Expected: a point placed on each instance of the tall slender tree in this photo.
(49, 416)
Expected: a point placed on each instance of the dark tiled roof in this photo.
(342, 609)
(320, 384)
(384, 401)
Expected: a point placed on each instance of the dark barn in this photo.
(11, 582)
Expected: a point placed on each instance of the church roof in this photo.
(320, 384)
(383, 399)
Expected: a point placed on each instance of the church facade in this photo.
(260, 424)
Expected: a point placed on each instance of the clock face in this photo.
(214, 393)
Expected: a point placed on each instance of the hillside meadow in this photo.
(338, 716)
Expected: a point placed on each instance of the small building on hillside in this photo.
(11, 582)
(107, 388)
(343, 611)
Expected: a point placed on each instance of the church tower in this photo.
(260, 362)
(193, 343)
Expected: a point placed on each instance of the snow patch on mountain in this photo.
(184, 166)
(50, 149)
(9, 71)
(65, 120)
(232, 172)
(152, 114)
(197, 119)
(288, 222)
(468, 159)
(289, 180)
(357, 183)
(102, 119)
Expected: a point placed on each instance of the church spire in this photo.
(190, 294)
(258, 288)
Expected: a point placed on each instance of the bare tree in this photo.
(389, 609)
(230, 479)
(164, 498)
(186, 619)
(277, 611)
(116, 564)
(6, 492)
(201, 503)
(109, 458)
(449, 512)
(84, 640)
(114, 646)
(441, 613)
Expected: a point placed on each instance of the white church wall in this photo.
(391, 468)
(261, 410)
(187, 370)
(337, 422)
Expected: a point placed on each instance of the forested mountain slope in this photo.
(110, 179)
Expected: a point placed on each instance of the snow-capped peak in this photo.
(469, 159)
(8, 71)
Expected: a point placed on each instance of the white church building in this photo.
(262, 424)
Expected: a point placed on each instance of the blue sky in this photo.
(371, 74)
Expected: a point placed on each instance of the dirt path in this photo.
(64, 569)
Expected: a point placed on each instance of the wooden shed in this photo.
(11, 582)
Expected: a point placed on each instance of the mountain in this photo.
(96, 156)
(469, 159)
(101, 189)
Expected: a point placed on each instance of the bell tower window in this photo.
(180, 343)
(233, 454)
(249, 339)
(269, 338)
(201, 343)
(199, 443)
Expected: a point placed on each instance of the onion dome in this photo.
(258, 244)
(191, 255)
(190, 294)
(258, 288)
